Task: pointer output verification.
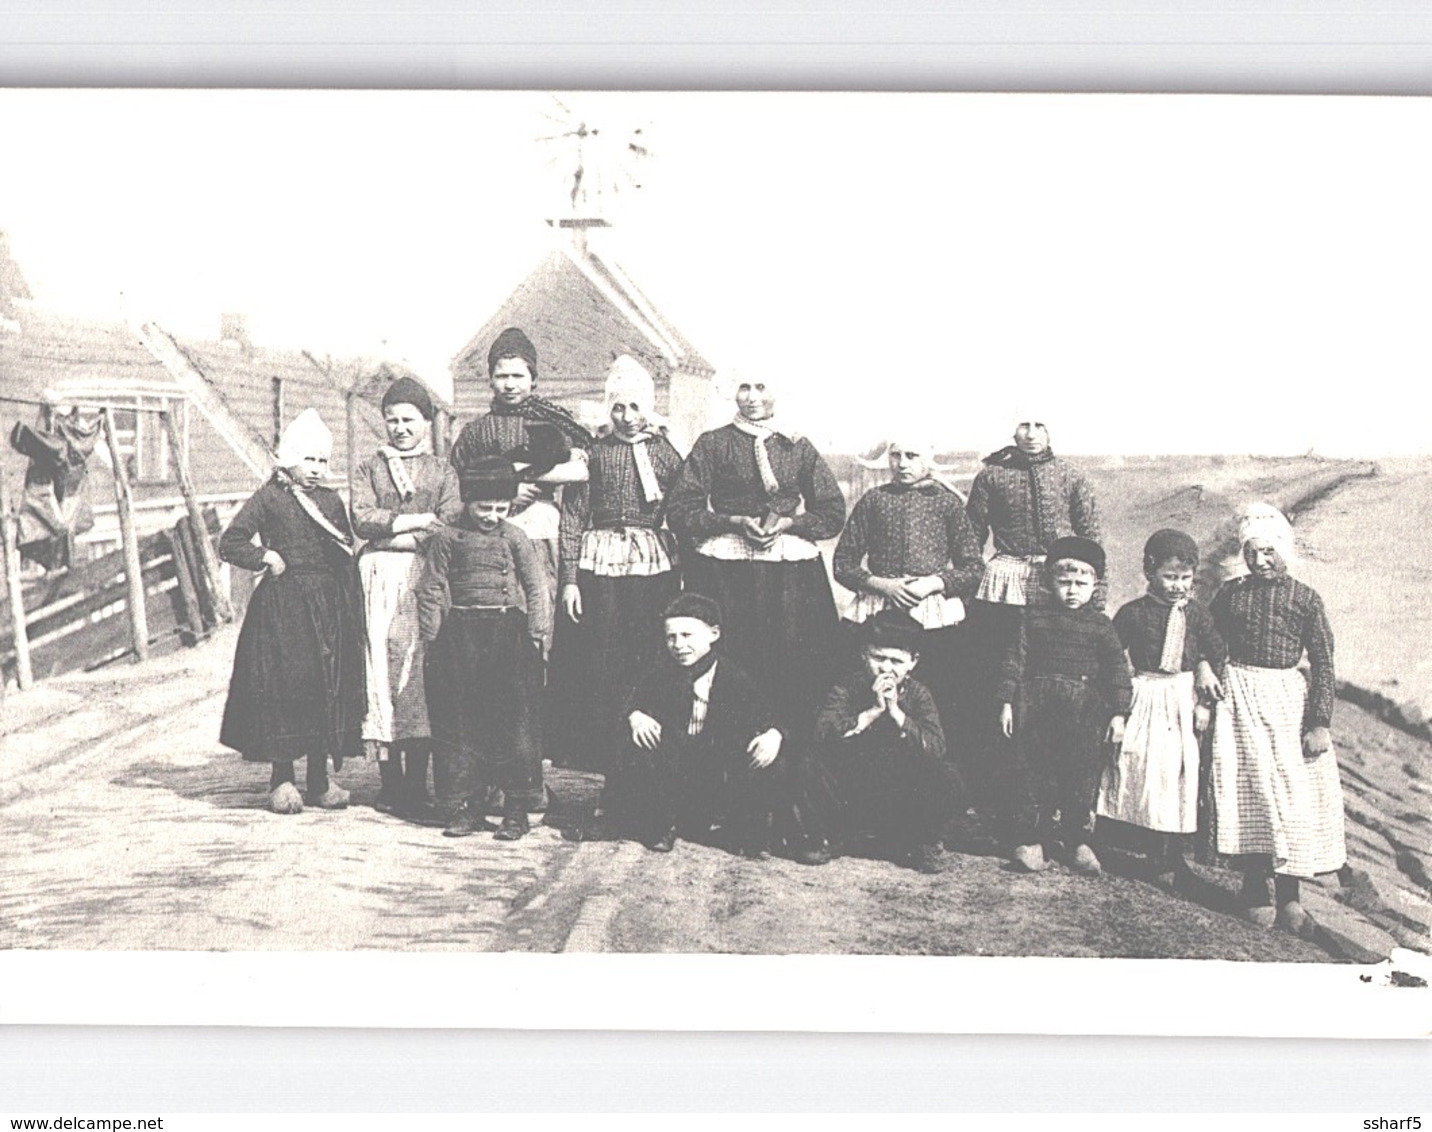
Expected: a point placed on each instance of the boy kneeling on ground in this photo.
(703, 743)
(879, 765)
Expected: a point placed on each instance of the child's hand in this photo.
(764, 748)
(886, 691)
(922, 588)
(1202, 717)
(1006, 720)
(1115, 734)
(645, 731)
(885, 587)
(527, 494)
(1318, 741)
(1206, 681)
(864, 720)
(275, 563)
(749, 528)
(572, 601)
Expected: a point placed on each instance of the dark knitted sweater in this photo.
(499, 432)
(1078, 644)
(1026, 509)
(612, 495)
(1141, 625)
(1271, 624)
(921, 529)
(922, 733)
(282, 525)
(462, 566)
(720, 479)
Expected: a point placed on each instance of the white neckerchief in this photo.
(701, 699)
(762, 431)
(645, 469)
(398, 471)
(310, 508)
(1171, 658)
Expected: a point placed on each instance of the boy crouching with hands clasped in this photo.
(1067, 674)
(879, 764)
(704, 744)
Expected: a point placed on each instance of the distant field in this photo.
(1367, 549)
(1138, 495)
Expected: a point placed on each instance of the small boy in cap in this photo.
(485, 611)
(703, 742)
(879, 764)
(1064, 691)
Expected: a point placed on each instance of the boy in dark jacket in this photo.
(1064, 692)
(880, 752)
(483, 608)
(704, 744)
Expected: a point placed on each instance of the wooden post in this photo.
(24, 674)
(183, 575)
(350, 404)
(133, 569)
(208, 560)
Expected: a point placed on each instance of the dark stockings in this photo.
(316, 775)
(1286, 890)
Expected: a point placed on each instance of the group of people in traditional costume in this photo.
(546, 594)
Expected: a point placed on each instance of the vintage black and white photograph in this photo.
(983, 526)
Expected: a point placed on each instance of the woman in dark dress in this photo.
(298, 688)
(752, 500)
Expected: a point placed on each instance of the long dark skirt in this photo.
(1056, 760)
(596, 661)
(484, 679)
(779, 624)
(299, 686)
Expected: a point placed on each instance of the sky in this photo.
(1145, 274)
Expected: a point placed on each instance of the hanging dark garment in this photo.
(56, 506)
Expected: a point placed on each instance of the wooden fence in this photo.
(155, 592)
(78, 619)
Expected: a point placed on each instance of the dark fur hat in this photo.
(694, 605)
(1080, 549)
(487, 477)
(892, 629)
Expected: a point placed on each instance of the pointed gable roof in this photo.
(581, 311)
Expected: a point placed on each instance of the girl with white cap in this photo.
(1277, 797)
(298, 686)
(617, 569)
